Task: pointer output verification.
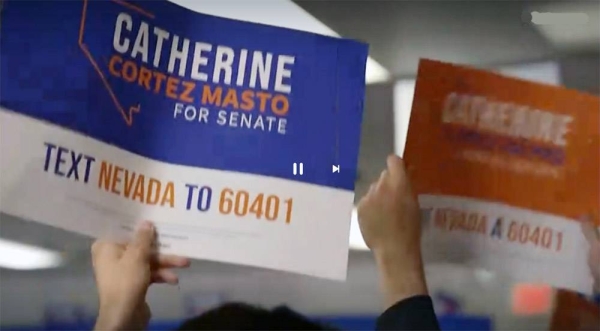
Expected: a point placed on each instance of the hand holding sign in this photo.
(593, 237)
(123, 275)
(390, 224)
(389, 211)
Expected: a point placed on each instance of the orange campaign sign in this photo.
(504, 168)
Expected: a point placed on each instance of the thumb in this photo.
(395, 167)
(143, 241)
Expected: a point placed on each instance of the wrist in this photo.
(401, 275)
(110, 319)
(106, 324)
(393, 258)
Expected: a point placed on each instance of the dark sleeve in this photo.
(414, 313)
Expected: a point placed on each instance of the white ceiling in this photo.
(476, 32)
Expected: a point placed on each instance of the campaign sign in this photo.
(504, 169)
(221, 132)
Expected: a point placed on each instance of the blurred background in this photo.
(45, 273)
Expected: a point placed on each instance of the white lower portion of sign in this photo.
(526, 245)
(230, 217)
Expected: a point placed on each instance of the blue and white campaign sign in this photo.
(221, 132)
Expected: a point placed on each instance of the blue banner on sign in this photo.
(177, 86)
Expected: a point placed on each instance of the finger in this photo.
(590, 232)
(165, 276)
(172, 261)
(372, 188)
(395, 166)
(383, 180)
(143, 242)
(384, 174)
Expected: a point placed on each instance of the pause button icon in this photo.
(298, 168)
